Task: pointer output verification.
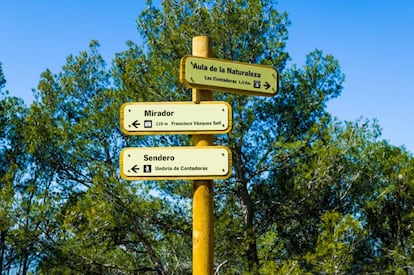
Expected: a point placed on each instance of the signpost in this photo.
(166, 163)
(200, 118)
(229, 76)
(203, 199)
(155, 118)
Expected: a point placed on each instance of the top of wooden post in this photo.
(202, 46)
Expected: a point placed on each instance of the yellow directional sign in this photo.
(161, 163)
(155, 118)
(229, 76)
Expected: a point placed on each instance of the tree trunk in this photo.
(2, 249)
(248, 212)
(151, 253)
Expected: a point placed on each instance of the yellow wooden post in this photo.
(203, 233)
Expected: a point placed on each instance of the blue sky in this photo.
(372, 40)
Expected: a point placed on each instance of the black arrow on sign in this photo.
(135, 168)
(136, 124)
(267, 85)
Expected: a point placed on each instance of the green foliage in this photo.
(336, 244)
(13, 165)
(309, 194)
(2, 79)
